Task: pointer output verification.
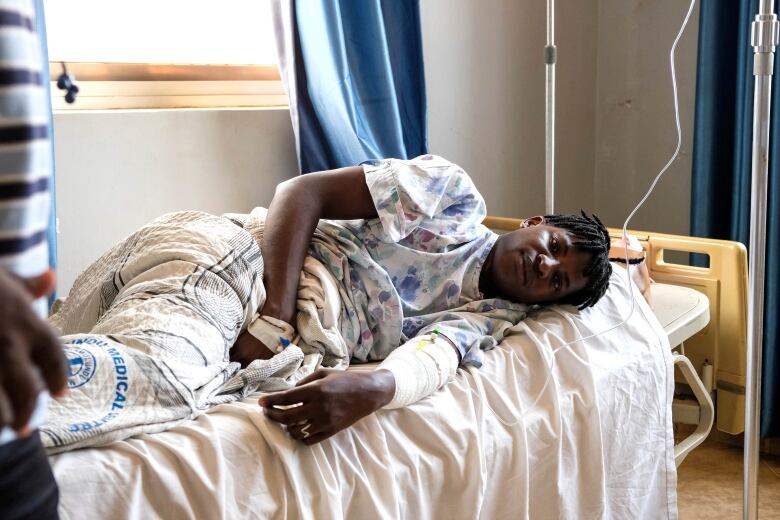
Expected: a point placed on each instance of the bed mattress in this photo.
(594, 440)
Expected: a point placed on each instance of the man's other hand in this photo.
(31, 356)
(328, 401)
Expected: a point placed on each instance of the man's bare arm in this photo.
(294, 212)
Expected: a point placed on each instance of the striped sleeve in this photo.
(25, 152)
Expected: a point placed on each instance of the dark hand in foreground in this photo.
(330, 400)
(247, 348)
(31, 356)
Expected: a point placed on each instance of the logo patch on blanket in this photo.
(81, 366)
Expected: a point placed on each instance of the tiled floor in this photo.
(709, 484)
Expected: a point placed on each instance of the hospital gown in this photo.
(416, 267)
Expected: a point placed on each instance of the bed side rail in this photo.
(723, 343)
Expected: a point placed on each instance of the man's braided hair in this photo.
(591, 236)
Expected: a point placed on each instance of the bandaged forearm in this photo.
(272, 332)
(420, 367)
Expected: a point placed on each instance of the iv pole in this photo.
(550, 56)
(764, 38)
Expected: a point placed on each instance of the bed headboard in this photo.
(723, 342)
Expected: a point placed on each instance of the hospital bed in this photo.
(595, 441)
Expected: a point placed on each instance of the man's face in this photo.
(538, 264)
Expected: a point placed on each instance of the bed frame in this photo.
(722, 343)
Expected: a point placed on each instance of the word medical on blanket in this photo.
(85, 364)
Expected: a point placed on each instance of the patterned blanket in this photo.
(148, 328)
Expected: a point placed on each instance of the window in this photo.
(164, 53)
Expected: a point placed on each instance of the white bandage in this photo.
(275, 334)
(420, 367)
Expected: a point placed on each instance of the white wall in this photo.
(485, 80)
(116, 170)
(615, 127)
(634, 123)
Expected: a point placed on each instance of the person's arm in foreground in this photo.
(30, 353)
(332, 399)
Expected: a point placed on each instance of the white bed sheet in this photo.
(597, 444)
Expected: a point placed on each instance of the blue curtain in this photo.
(354, 73)
(722, 152)
(40, 23)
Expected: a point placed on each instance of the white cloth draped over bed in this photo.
(597, 444)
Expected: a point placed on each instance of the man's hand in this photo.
(247, 348)
(30, 352)
(330, 400)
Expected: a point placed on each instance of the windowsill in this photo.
(75, 109)
(156, 95)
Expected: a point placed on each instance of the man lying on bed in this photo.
(424, 273)
(420, 284)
